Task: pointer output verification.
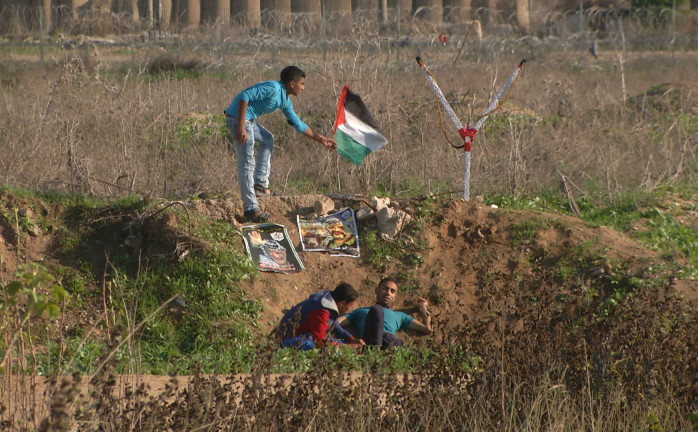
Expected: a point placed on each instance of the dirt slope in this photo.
(472, 255)
(467, 249)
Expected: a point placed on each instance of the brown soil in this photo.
(465, 241)
(468, 248)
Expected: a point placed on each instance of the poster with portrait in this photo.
(269, 247)
(335, 233)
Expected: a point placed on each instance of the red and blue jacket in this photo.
(313, 318)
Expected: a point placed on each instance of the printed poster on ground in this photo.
(335, 233)
(269, 246)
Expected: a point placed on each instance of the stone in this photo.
(380, 203)
(35, 230)
(392, 221)
(364, 213)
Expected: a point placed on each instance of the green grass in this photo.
(378, 253)
(411, 188)
(665, 234)
(309, 186)
(212, 333)
(527, 231)
(543, 202)
(505, 123)
(640, 214)
(35, 50)
(199, 131)
(398, 360)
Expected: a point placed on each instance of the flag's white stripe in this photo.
(362, 132)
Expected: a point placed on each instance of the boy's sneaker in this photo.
(261, 191)
(255, 216)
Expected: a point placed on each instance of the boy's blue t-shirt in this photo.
(266, 97)
(393, 320)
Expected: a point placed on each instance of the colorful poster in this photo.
(269, 247)
(335, 233)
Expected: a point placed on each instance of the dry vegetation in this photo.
(567, 328)
(148, 121)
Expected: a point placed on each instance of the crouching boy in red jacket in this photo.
(313, 322)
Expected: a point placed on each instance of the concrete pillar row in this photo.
(248, 12)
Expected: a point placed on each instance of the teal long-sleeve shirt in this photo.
(266, 97)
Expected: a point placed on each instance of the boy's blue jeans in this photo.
(252, 171)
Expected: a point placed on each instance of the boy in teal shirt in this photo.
(240, 118)
(378, 325)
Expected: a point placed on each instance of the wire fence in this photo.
(660, 29)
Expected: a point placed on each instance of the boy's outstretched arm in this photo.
(329, 143)
(423, 326)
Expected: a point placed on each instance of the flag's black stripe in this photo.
(354, 104)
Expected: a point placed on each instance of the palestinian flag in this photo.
(356, 131)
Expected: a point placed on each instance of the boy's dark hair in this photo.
(291, 73)
(388, 279)
(344, 292)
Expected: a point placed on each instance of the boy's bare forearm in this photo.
(329, 143)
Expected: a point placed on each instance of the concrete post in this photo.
(405, 7)
(133, 9)
(523, 17)
(215, 10)
(46, 10)
(276, 13)
(188, 12)
(306, 6)
(163, 13)
(247, 12)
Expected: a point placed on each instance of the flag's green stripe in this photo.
(362, 133)
(349, 149)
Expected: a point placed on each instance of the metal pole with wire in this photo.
(468, 133)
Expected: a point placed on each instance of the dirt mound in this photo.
(465, 249)
(464, 257)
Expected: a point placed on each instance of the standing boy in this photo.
(240, 118)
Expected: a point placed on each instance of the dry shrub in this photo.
(74, 129)
(165, 63)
